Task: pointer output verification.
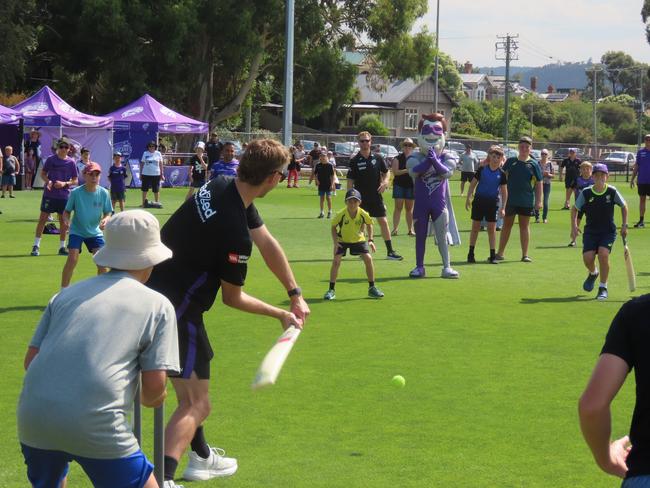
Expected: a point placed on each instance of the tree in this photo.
(614, 114)
(373, 124)
(18, 36)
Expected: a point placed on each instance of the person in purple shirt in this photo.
(227, 165)
(59, 173)
(117, 175)
(641, 172)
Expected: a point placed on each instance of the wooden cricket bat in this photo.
(629, 267)
(270, 368)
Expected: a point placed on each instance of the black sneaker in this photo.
(63, 251)
(35, 251)
(639, 225)
(471, 258)
(602, 293)
(492, 260)
(526, 259)
(588, 285)
(393, 256)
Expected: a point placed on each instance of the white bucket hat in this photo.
(132, 242)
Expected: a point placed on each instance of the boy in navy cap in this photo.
(597, 202)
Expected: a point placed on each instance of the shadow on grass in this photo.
(553, 247)
(337, 299)
(22, 308)
(25, 255)
(575, 298)
(643, 273)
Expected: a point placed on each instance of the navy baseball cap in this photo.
(352, 193)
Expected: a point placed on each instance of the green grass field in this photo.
(494, 362)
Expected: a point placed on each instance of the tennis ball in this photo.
(398, 381)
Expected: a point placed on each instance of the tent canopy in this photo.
(148, 114)
(47, 109)
(9, 116)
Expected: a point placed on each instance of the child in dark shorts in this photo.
(348, 233)
(117, 177)
(582, 182)
(597, 202)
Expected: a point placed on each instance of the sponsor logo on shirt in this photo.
(203, 199)
(234, 258)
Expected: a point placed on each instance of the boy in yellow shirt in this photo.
(348, 233)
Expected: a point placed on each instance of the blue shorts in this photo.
(642, 481)
(46, 469)
(403, 192)
(92, 243)
(53, 205)
(591, 242)
(324, 193)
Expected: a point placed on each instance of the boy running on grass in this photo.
(582, 182)
(489, 181)
(597, 202)
(92, 208)
(348, 233)
(117, 175)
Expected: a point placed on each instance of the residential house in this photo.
(476, 86)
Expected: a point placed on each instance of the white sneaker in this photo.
(449, 273)
(171, 484)
(216, 466)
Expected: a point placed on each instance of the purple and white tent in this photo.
(9, 116)
(54, 117)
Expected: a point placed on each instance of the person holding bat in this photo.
(597, 202)
(221, 219)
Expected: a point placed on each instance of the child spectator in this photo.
(29, 164)
(92, 208)
(597, 202)
(348, 233)
(324, 175)
(582, 181)
(9, 169)
(294, 169)
(198, 169)
(117, 177)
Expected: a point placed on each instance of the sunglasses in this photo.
(63, 146)
(496, 154)
(283, 174)
(364, 140)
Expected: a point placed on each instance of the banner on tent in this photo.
(134, 166)
(176, 176)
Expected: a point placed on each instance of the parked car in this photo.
(457, 147)
(619, 160)
(307, 145)
(563, 152)
(480, 154)
(387, 151)
(343, 151)
(536, 153)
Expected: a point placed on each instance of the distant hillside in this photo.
(561, 76)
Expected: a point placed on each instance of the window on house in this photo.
(411, 118)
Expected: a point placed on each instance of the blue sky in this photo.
(549, 30)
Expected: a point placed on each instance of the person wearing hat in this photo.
(222, 219)
(59, 174)
(84, 362)
(349, 230)
(82, 163)
(524, 197)
(151, 172)
(90, 207)
(584, 180)
(571, 166)
(641, 174)
(117, 178)
(403, 188)
(198, 169)
(469, 163)
(597, 202)
(547, 174)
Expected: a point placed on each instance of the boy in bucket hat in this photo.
(348, 233)
(81, 382)
(92, 208)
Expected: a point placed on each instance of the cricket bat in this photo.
(629, 267)
(270, 368)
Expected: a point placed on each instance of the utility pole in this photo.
(595, 71)
(436, 71)
(509, 48)
(288, 74)
(639, 136)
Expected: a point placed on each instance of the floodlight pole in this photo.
(288, 74)
(436, 70)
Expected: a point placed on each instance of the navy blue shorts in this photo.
(356, 248)
(92, 243)
(116, 196)
(53, 205)
(46, 469)
(324, 193)
(403, 192)
(591, 242)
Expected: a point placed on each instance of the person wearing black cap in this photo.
(117, 177)
(348, 233)
(571, 165)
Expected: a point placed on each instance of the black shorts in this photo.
(197, 183)
(356, 248)
(592, 242)
(194, 349)
(375, 208)
(643, 189)
(466, 176)
(118, 195)
(484, 208)
(150, 183)
(516, 210)
(53, 205)
(571, 183)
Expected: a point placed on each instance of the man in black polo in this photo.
(571, 166)
(213, 148)
(312, 160)
(369, 174)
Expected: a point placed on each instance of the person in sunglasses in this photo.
(151, 172)
(59, 173)
(222, 218)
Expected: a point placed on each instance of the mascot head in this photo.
(432, 128)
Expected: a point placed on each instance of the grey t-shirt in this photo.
(469, 162)
(93, 339)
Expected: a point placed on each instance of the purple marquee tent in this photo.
(142, 121)
(9, 116)
(54, 117)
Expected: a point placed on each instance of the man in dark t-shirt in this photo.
(312, 159)
(369, 174)
(324, 174)
(571, 167)
(626, 348)
(220, 217)
(213, 148)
